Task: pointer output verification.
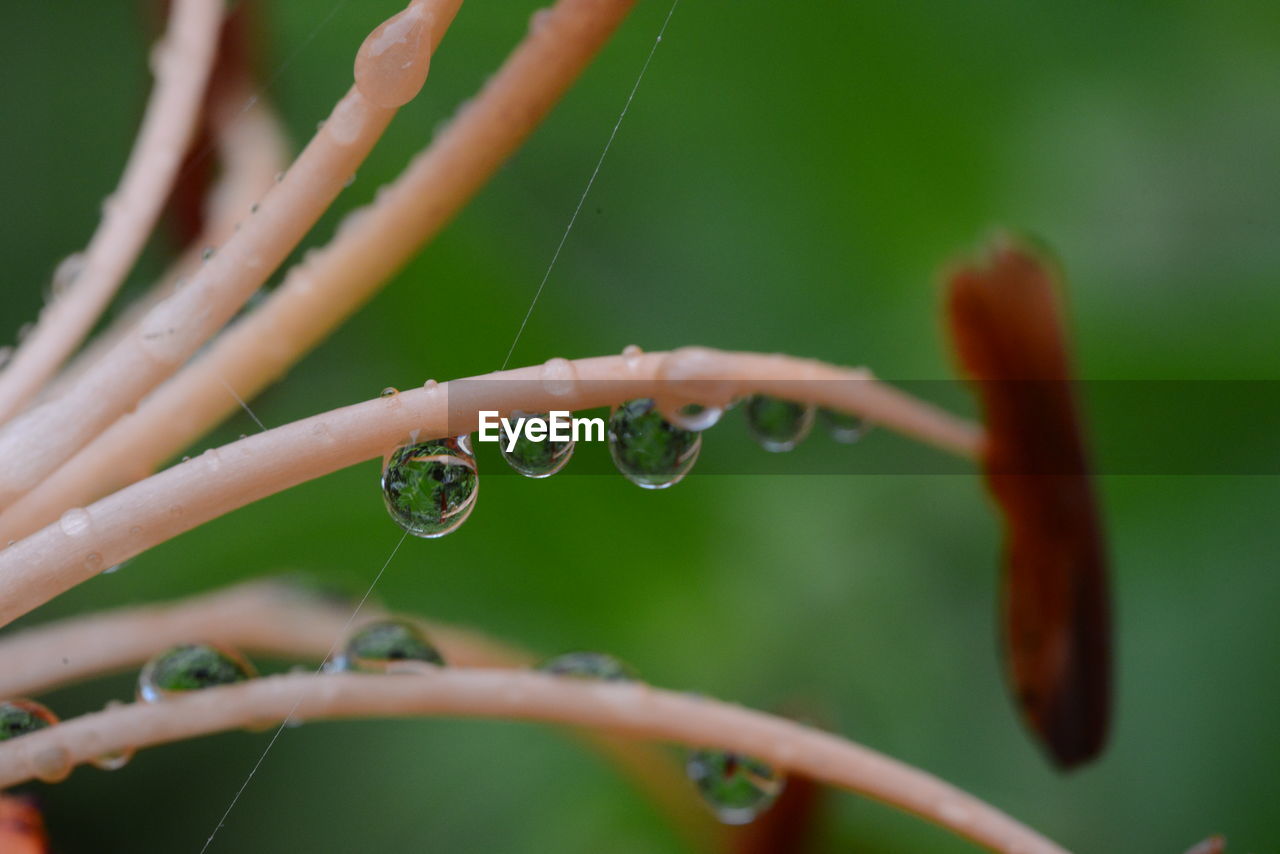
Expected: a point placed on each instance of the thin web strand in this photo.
(289, 717)
(581, 201)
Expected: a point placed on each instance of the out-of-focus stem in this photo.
(39, 440)
(336, 280)
(182, 60)
(625, 709)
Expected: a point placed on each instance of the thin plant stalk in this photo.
(84, 541)
(182, 60)
(42, 438)
(336, 280)
(633, 710)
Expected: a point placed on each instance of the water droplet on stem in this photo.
(392, 64)
(737, 788)
(778, 425)
(191, 667)
(650, 451)
(430, 487)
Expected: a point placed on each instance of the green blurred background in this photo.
(790, 177)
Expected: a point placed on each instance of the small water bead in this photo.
(589, 665)
(191, 667)
(778, 425)
(737, 788)
(429, 385)
(430, 487)
(531, 458)
(75, 522)
(65, 274)
(631, 356)
(650, 451)
(843, 427)
(392, 64)
(696, 417)
(389, 391)
(115, 760)
(378, 647)
(559, 377)
(208, 253)
(21, 716)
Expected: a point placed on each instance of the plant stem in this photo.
(275, 619)
(627, 709)
(38, 441)
(334, 281)
(182, 62)
(149, 512)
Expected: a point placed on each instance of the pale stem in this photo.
(252, 150)
(277, 620)
(259, 618)
(85, 541)
(39, 440)
(182, 60)
(634, 710)
(333, 282)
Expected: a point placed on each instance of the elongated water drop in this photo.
(534, 458)
(389, 391)
(377, 647)
(21, 716)
(559, 376)
(778, 425)
(695, 416)
(191, 667)
(115, 760)
(650, 451)
(430, 487)
(737, 788)
(65, 274)
(589, 665)
(843, 427)
(392, 64)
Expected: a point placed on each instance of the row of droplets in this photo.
(430, 487)
(737, 788)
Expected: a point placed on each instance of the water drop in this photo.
(207, 253)
(93, 562)
(430, 487)
(377, 647)
(778, 425)
(65, 274)
(117, 759)
(350, 180)
(539, 20)
(843, 427)
(631, 356)
(253, 209)
(430, 384)
(75, 522)
(279, 177)
(52, 764)
(738, 788)
(651, 452)
(534, 458)
(695, 416)
(589, 665)
(559, 377)
(21, 716)
(320, 125)
(389, 391)
(392, 64)
(191, 667)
